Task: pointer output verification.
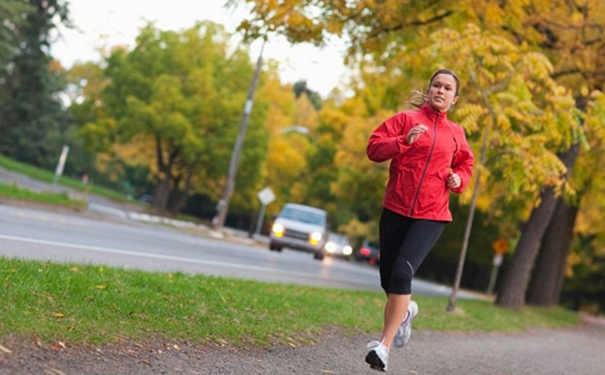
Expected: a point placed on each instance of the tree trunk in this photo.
(516, 277)
(162, 193)
(547, 280)
(179, 202)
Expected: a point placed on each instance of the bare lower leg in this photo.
(394, 312)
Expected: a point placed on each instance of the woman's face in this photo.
(442, 92)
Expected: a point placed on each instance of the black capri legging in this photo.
(404, 243)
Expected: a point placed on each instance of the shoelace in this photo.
(374, 344)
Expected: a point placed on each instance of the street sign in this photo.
(266, 196)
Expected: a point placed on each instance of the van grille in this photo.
(297, 234)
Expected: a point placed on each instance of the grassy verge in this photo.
(97, 304)
(48, 176)
(56, 199)
(61, 199)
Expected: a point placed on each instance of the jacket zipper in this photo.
(426, 166)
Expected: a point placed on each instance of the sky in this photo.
(106, 23)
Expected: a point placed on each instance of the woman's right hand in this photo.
(415, 133)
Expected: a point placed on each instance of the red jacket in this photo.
(417, 186)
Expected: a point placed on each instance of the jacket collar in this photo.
(431, 113)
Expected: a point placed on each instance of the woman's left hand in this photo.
(453, 180)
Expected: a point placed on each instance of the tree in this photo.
(86, 82)
(173, 104)
(284, 160)
(288, 170)
(369, 25)
(300, 88)
(572, 35)
(9, 44)
(32, 121)
(359, 184)
(547, 280)
(557, 244)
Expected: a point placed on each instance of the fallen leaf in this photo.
(58, 315)
(58, 346)
(148, 363)
(5, 350)
(53, 371)
(176, 347)
(327, 372)
(121, 338)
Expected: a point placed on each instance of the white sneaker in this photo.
(404, 333)
(378, 356)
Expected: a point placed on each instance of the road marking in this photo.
(154, 256)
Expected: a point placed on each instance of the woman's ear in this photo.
(454, 101)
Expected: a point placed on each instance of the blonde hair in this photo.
(417, 98)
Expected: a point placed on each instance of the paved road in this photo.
(69, 237)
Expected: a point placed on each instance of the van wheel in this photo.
(274, 247)
(319, 255)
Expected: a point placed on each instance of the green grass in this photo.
(97, 304)
(61, 199)
(49, 176)
(56, 199)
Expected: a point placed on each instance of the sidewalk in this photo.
(577, 351)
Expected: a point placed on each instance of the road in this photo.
(70, 237)
(121, 236)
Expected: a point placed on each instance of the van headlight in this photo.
(278, 230)
(314, 238)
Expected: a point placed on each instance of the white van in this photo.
(300, 227)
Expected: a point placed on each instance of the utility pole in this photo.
(223, 204)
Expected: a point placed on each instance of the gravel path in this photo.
(578, 351)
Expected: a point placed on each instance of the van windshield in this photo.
(303, 216)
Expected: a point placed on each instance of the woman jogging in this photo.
(429, 158)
